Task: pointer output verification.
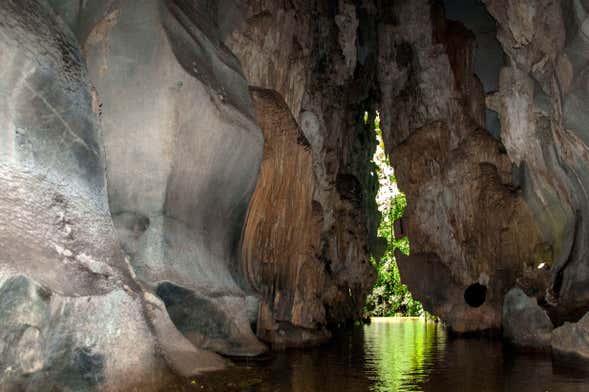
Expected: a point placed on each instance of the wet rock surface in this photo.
(135, 136)
(571, 341)
(320, 58)
(525, 323)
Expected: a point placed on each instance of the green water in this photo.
(398, 355)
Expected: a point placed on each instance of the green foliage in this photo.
(389, 297)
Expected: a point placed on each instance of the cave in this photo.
(190, 186)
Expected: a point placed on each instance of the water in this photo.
(397, 355)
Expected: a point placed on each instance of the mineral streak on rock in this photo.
(320, 59)
(135, 135)
(282, 235)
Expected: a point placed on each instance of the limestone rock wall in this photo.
(283, 231)
(321, 59)
(498, 209)
(72, 314)
(541, 102)
(183, 153)
(466, 221)
(177, 171)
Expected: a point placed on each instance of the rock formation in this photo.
(183, 152)
(282, 233)
(535, 102)
(571, 341)
(72, 313)
(526, 191)
(175, 172)
(305, 53)
(148, 94)
(525, 323)
(497, 213)
(466, 221)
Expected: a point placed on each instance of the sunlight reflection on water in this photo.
(397, 355)
(400, 353)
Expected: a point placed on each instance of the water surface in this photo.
(398, 354)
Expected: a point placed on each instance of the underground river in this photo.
(397, 354)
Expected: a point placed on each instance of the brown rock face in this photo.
(173, 99)
(496, 213)
(307, 53)
(462, 210)
(282, 234)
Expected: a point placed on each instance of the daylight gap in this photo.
(389, 296)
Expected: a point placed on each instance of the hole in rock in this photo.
(475, 295)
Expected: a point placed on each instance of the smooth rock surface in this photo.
(72, 316)
(183, 154)
(525, 323)
(571, 340)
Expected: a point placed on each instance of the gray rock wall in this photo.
(130, 149)
(72, 314)
(183, 153)
(543, 131)
(525, 323)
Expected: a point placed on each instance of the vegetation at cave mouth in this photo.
(389, 297)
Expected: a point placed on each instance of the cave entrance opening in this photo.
(389, 296)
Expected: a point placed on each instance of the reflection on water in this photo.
(400, 352)
(397, 355)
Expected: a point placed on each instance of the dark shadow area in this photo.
(475, 295)
(489, 56)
